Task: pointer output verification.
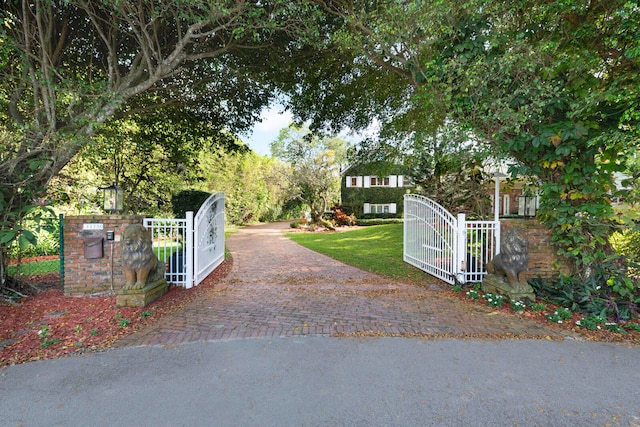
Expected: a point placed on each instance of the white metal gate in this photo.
(192, 247)
(446, 246)
(208, 237)
(172, 239)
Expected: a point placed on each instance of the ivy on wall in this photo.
(356, 197)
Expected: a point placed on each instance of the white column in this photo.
(496, 199)
(189, 260)
(460, 254)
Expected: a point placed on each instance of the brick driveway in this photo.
(277, 288)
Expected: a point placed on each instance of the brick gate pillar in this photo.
(91, 261)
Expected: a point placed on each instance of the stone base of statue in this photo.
(142, 297)
(498, 284)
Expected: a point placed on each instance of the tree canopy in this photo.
(553, 85)
(316, 162)
(71, 67)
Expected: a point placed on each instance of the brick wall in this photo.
(543, 258)
(86, 276)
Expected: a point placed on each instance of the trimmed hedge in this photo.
(379, 221)
(188, 200)
(380, 216)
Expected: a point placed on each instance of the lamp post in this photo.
(113, 201)
(497, 175)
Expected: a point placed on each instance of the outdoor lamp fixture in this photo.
(113, 199)
(526, 205)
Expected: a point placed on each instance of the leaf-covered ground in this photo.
(50, 325)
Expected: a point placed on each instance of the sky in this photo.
(273, 120)
(267, 131)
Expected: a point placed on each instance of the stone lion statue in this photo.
(141, 266)
(513, 259)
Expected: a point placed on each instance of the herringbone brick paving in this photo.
(277, 288)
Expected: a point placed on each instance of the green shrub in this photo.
(517, 305)
(591, 323)
(380, 215)
(538, 306)
(378, 221)
(493, 300)
(627, 244)
(47, 234)
(473, 294)
(632, 327)
(188, 200)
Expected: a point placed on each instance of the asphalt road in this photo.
(322, 381)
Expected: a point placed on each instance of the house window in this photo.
(379, 182)
(506, 205)
(354, 181)
(378, 209)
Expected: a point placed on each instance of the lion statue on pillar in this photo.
(513, 259)
(506, 272)
(140, 263)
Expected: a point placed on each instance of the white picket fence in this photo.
(191, 248)
(446, 246)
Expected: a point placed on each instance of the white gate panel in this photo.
(172, 239)
(481, 244)
(193, 247)
(447, 247)
(430, 239)
(208, 237)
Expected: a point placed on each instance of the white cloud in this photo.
(267, 131)
(274, 119)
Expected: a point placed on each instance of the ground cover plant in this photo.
(379, 249)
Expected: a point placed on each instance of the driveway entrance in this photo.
(278, 288)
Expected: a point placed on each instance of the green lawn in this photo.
(39, 267)
(377, 249)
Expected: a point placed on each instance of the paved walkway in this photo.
(277, 288)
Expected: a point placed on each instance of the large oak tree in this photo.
(69, 67)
